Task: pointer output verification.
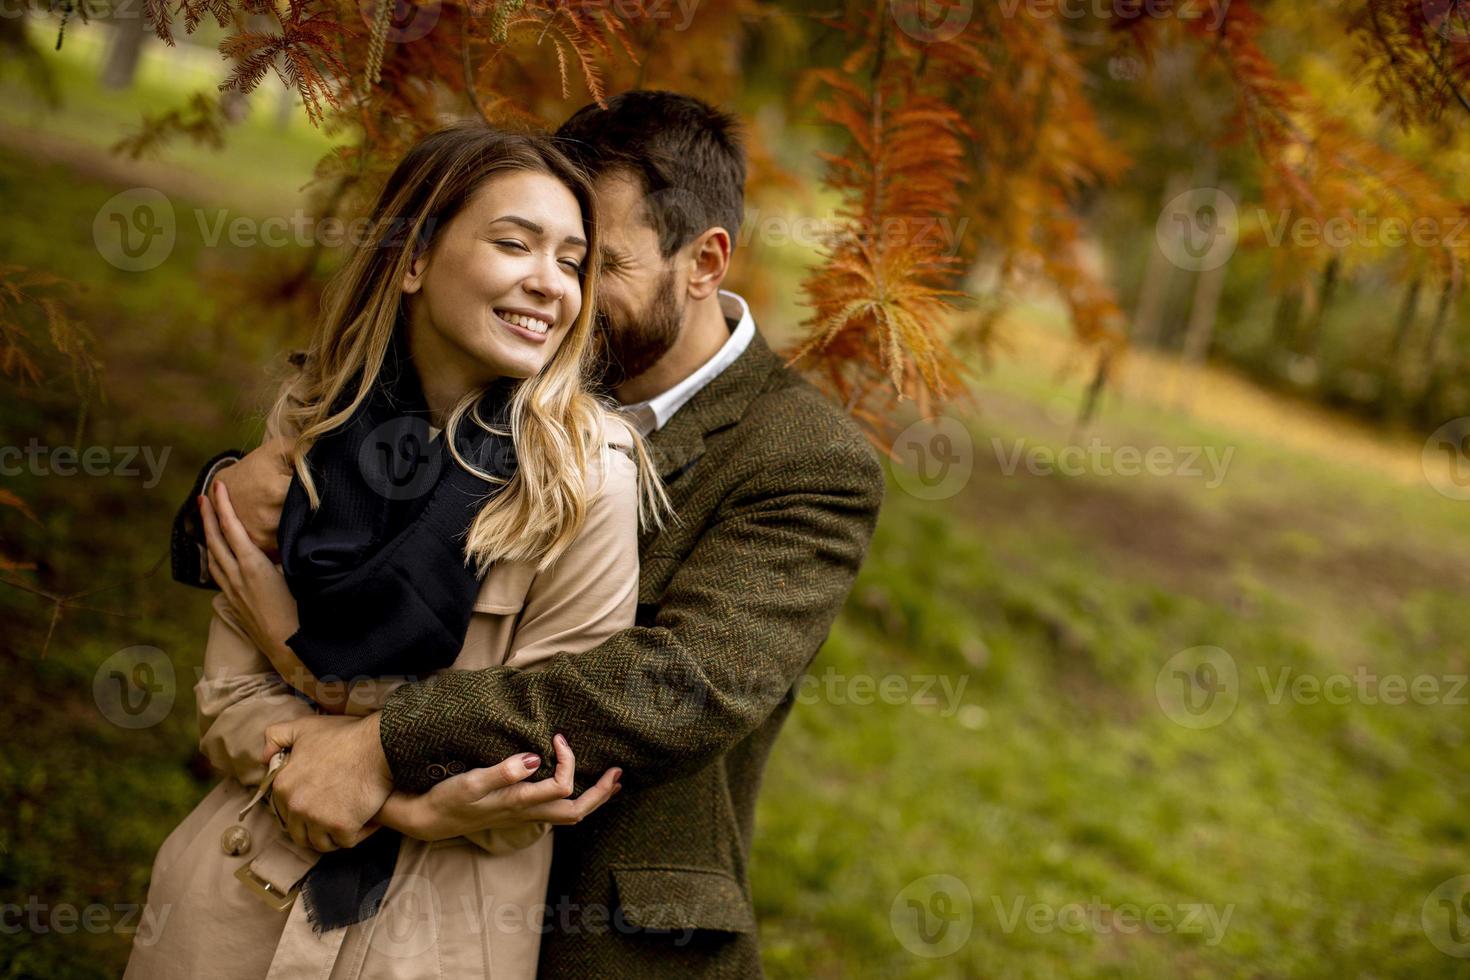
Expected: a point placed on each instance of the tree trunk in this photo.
(1430, 372)
(1394, 384)
(1312, 337)
(1154, 293)
(123, 52)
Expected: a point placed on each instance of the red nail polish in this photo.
(531, 762)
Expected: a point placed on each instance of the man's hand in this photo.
(334, 781)
(257, 485)
(497, 797)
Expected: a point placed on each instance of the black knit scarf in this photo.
(378, 570)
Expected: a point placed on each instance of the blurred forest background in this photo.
(1156, 308)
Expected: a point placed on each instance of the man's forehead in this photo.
(621, 205)
(622, 196)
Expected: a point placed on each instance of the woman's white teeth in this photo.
(527, 322)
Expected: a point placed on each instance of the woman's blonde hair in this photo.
(555, 422)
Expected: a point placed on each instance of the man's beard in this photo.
(629, 349)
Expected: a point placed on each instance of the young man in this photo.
(776, 495)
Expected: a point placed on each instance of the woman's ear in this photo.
(413, 280)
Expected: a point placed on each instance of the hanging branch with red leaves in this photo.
(883, 299)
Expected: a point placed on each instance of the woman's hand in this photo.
(256, 590)
(497, 797)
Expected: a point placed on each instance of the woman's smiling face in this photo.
(500, 287)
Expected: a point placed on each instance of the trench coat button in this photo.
(436, 771)
(235, 840)
(455, 768)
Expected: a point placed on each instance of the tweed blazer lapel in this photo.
(679, 444)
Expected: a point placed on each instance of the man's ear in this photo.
(710, 258)
(413, 280)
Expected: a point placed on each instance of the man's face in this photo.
(640, 296)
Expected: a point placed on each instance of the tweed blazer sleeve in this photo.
(584, 597)
(738, 623)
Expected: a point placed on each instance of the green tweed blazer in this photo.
(776, 494)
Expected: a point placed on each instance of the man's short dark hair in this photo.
(687, 154)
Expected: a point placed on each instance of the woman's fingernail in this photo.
(531, 762)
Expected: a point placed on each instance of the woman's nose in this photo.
(544, 280)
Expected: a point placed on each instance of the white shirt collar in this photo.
(664, 405)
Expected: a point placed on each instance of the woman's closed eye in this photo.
(572, 265)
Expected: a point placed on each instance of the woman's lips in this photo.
(531, 335)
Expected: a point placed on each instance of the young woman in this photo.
(459, 500)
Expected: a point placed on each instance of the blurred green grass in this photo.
(268, 159)
(1055, 600)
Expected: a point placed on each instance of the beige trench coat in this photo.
(467, 908)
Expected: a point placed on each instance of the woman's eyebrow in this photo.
(536, 229)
